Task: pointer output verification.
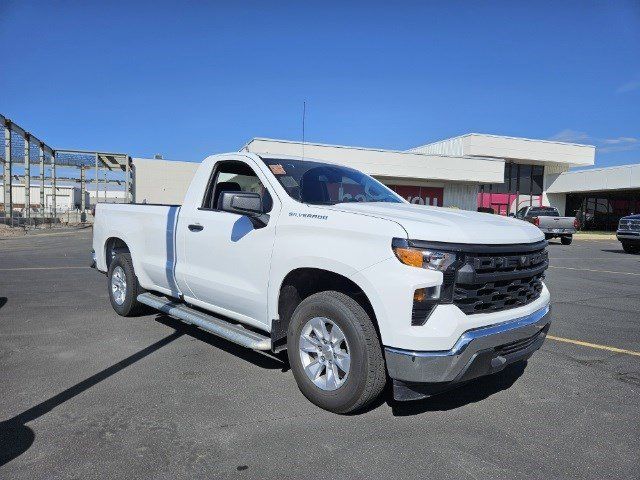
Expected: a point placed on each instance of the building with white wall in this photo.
(105, 196)
(599, 196)
(433, 179)
(161, 181)
(68, 197)
(469, 172)
(472, 171)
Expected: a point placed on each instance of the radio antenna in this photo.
(304, 114)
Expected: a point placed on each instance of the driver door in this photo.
(227, 259)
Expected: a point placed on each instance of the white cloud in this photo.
(604, 145)
(629, 86)
(619, 140)
(571, 136)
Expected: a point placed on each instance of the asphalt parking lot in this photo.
(88, 394)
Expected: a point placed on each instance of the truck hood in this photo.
(437, 224)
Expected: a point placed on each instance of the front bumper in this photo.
(558, 231)
(628, 236)
(477, 352)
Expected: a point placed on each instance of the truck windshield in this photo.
(326, 184)
(544, 212)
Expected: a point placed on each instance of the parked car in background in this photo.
(629, 233)
(486, 210)
(550, 222)
(357, 284)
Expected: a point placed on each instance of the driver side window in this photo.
(234, 176)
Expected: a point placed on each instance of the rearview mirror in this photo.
(245, 203)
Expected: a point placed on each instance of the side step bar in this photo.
(222, 328)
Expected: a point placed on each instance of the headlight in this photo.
(432, 259)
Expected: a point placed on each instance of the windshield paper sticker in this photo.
(277, 169)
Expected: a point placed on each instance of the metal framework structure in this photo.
(23, 148)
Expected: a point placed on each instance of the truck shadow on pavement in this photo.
(16, 437)
(470, 392)
(3, 301)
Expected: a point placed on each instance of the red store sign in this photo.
(420, 195)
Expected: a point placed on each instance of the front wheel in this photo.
(566, 240)
(630, 247)
(124, 287)
(335, 353)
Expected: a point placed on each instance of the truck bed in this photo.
(149, 232)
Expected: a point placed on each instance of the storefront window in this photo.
(522, 187)
(537, 174)
(602, 210)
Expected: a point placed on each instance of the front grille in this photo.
(629, 224)
(492, 281)
(498, 295)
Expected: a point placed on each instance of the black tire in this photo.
(130, 306)
(630, 247)
(566, 240)
(367, 374)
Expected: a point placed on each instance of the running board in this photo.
(222, 328)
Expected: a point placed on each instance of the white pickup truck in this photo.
(357, 285)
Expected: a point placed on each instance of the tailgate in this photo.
(556, 223)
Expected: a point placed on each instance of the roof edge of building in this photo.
(366, 149)
(506, 137)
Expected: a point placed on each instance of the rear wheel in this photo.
(334, 353)
(124, 287)
(566, 240)
(630, 247)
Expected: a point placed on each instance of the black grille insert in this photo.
(490, 282)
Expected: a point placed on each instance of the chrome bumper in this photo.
(477, 352)
(627, 235)
(564, 231)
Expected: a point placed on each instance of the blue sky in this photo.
(194, 78)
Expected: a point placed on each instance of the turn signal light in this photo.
(576, 224)
(409, 256)
(536, 221)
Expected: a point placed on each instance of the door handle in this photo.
(195, 227)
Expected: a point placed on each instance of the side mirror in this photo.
(245, 203)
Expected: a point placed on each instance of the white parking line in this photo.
(593, 345)
(39, 268)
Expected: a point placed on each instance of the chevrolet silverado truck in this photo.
(549, 221)
(628, 233)
(359, 286)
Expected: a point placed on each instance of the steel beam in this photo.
(41, 158)
(97, 180)
(83, 206)
(27, 176)
(127, 181)
(54, 210)
(8, 203)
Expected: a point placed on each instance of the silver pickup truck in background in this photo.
(550, 222)
(628, 233)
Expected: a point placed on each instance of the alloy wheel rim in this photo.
(118, 285)
(325, 353)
